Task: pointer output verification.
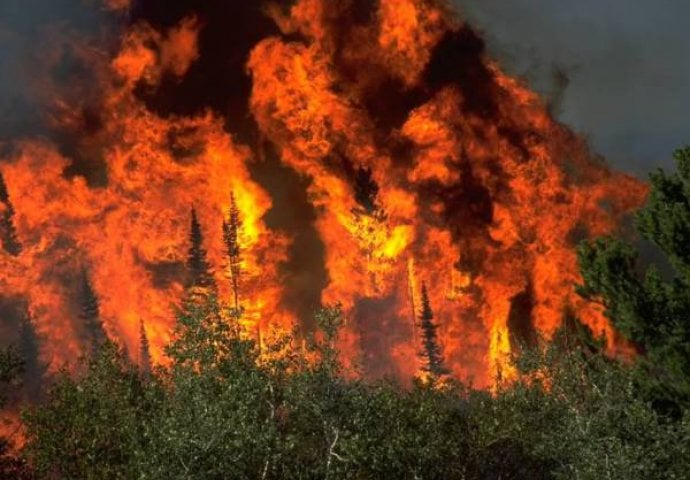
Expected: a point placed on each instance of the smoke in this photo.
(626, 61)
(37, 56)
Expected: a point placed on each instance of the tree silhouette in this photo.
(431, 352)
(90, 313)
(198, 267)
(144, 351)
(34, 369)
(231, 229)
(8, 232)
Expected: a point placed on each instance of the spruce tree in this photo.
(34, 369)
(8, 232)
(431, 352)
(231, 229)
(144, 351)
(198, 267)
(90, 313)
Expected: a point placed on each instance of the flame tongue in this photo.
(425, 164)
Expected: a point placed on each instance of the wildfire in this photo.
(424, 164)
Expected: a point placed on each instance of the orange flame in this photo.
(474, 190)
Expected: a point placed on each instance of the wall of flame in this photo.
(481, 195)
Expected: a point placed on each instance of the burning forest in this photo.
(287, 155)
(322, 239)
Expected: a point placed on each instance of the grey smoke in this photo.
(627, 63)
(27, 29)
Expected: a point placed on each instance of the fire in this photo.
(424, 163)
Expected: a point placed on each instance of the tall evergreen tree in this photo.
(8, 232)
(144, 351)
(231, 229)
(90, 313)
(34, 369)
(431, 351)
(198, 266)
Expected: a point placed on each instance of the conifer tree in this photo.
(431, 352)
(90, 313)
(198, 267)
(8, 233)
(34, 369)
(231, 229)
(144, 351)
(648, 308)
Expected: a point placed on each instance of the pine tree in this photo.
(34, 369)
(198, 267)
(431, 352)
(144, 351)
(231, 229)
(8, 232)
(90, 313)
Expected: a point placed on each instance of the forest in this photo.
(228, 407)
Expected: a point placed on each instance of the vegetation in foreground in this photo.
(222, 410)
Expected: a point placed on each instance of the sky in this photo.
(627, 64)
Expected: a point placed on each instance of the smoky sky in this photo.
(29, 31)
(618, 70)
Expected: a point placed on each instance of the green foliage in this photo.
(649, 310)
(221, 410)
(94, 427)
(576, 414)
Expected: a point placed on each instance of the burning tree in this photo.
(8, 231)
(431, 351)
(231, 229)
(198, 266)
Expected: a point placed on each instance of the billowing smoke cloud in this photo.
(628, 62)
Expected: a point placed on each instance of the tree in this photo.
(231, 229)
(34, 369)
(144, 351)
(8, 232)
(93, 426)
(198, 266)
(431, 352)
(90, 313)
(648, 309)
